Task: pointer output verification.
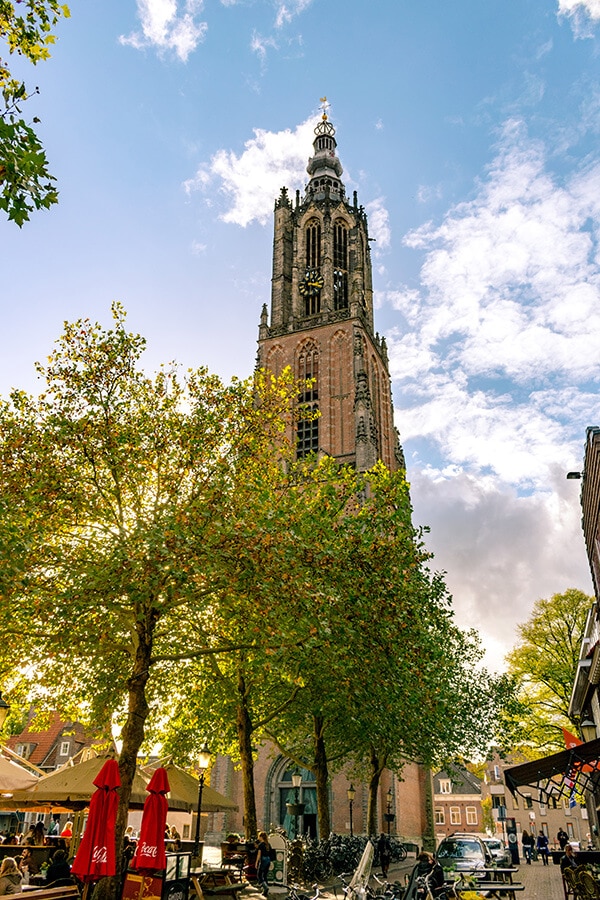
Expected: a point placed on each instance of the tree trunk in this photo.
(322, 779)
(244, 730)
(377, 765)
(133, 737)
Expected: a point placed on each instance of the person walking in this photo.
(563, 838)
(527, 841)
(385, 853)
(542, 847)
(263, 861)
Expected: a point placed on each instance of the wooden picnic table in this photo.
(496, 882)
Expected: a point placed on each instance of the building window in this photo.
(528, 801)
(440, 818)
(498, 801)
(515, 802)
(543, 809)
(313, 245)
(471, 813)
(308, 409)
(445, 786)
(497, 773)
(455, 815)
(340, 266)
(64, 748)
(22, 750)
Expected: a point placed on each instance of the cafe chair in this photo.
(570, 885)
(588, 886)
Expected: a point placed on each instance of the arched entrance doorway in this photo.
(307, 794)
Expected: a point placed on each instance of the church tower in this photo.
(321, 321)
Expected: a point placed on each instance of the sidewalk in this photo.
(541, 882)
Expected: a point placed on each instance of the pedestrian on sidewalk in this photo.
(527, 841)
(263, 861)
(385, 853)
(542, 847)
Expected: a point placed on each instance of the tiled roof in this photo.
(463, 781)
(44, 743)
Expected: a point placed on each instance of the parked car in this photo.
(463, 851)
(500, 853)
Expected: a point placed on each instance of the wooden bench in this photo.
(50, 893)
(498, 888)
(209, 884)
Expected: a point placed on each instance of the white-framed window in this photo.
(445, 786)
(543, 809)
(497, 773)
(455, 815)
(64, 748)
(440, 818)
(471, 813)
(22, 750)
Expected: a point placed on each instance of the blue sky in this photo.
(470, 131)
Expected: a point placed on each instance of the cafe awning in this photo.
(563, 774)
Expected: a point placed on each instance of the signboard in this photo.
(144, 887)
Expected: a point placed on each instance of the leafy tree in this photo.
(544, 662)
(116, 491)
(25, 181)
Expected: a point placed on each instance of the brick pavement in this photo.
(541, 882)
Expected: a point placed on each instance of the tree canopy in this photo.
(544, 662)
(26, 29)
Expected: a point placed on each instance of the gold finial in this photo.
(324, 106)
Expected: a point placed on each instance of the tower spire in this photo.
(324, 167)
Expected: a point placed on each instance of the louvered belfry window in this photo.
(340, 266)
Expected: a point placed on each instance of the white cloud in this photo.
(379, 224)
(584, 14)
(168, 25)
(251, 181)
(500, 551)
(287, 10)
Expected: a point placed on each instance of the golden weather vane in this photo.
(324, 106)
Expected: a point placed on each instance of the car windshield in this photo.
(460, 850)
(494, 845)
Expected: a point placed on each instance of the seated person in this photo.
(430, 876)
(10, 877)
(568, 861)
(58, 868)
(27, 861)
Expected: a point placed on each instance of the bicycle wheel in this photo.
(401, 852)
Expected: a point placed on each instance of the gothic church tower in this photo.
(321, 322)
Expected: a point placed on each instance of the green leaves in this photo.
(25, 182)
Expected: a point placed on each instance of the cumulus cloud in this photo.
(250, 182)
(379, 224)
(494, 362)
(168, 25)
(500, 551)
(584, 15)
(511, 282)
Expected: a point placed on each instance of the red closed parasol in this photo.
(96, 854)
(150, 852)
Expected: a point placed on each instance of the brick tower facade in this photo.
(321, 322)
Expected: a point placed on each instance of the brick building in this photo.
(457, 802)
(321, 326)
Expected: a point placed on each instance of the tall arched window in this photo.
(340, 266)
(308, 407)
(313, 244)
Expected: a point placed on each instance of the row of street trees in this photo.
(167, 564)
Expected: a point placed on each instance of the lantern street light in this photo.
(588, 730)
(296, 782)
(389, 816)
(4, 710)
(351, 795)
(204, 757)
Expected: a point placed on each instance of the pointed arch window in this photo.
(340, 266)
(313, 244)
(308, 407)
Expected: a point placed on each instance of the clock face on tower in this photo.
(312, 283)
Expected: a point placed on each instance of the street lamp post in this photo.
(296, 782)
(203, 763)
(389, 816)
(351, 795)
